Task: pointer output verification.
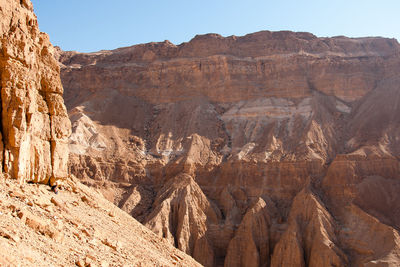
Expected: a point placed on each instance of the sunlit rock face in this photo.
(34, 122)
(271, 149)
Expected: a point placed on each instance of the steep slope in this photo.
(34, 123)
(182, 214)
(275, 129)
(37, 227)
(310, 237)
(251, 244)
(77, 226)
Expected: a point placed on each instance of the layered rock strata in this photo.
(38, 228)
(34, 123)
(271, 149)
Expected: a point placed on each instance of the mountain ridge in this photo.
(259, 123)
(266, 35)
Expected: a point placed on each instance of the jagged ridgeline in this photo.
(270, 149)
(274, 148)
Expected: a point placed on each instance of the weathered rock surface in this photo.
(251, 243)
(310, 237)
(39, 228)
(271, 149)
(76, 227)
(34, 123)
(182, 214)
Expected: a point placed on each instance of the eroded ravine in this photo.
(246, 151)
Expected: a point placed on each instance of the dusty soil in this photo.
(77, 226)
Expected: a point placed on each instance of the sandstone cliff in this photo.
(271, 149)
(34, 123)
(76, 227)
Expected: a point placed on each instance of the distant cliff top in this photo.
(259, 44)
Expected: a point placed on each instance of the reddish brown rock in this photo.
(251, 243)
(35, 125)
(310, 238)
(255, 122)
(34, 135)
(182, 214)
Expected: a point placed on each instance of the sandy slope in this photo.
(76, 226)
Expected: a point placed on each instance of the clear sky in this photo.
(92, 25)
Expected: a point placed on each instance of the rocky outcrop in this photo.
(77, 226)
(236, 68)
(34, 123)
(257, 150)
(182, 214)
(251, 244)
(310, 238)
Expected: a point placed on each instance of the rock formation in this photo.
(310, 237)
(251, 243)
(34, 123)
(182, 214)
(76, 227)
(270, 149)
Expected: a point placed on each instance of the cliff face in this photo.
(34, 123)
(38, 228)
(270, 149)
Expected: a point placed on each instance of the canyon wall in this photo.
(34, 122)
(270, 149)
(77, 227)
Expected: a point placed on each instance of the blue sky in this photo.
(92, 25)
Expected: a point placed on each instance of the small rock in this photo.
(115, 221)
(55, 202)
(22, 188)
(174, 257)
(77, 235)
(49, 209)
(57, 236)
(89, 202)
(22, 216)
(86, 232)
(16, 194)
(85, 199)
(74, 223)
(74, 189)
(12, 208)
(36, 223)
(80, 263)
(43, 203)
(116, 245)
(177, 256)
(9, 235)
(58, 204)
(90, 257)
